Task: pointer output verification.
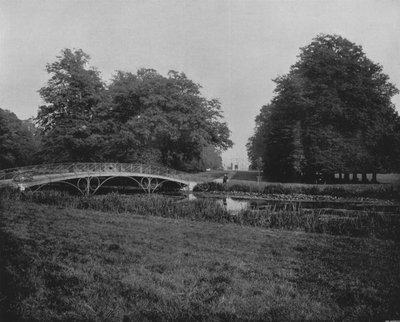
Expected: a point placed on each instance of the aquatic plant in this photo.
(288, 215)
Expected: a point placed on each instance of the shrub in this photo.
(240, 188)
(9, 192)
(209, 186)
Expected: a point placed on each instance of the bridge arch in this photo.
(88, 178)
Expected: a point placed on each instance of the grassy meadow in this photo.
(152, 258)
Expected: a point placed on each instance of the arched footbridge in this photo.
(88, 178)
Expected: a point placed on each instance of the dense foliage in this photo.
(332, 113)
(165, 119)
(68, 121)
(255, 146)
(17, 141)
(142, 117)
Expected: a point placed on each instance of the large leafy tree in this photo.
(331, 113)
(67, 120)
(165, 119)
(17, 142)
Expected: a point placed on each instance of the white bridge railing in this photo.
(28, 172)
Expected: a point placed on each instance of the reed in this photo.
(367, 224)
(288, 216)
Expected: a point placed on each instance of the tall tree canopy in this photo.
(72, 96)
(256, 144)
(164, 114)
(331, 113)
(17, 143)
(142, 117)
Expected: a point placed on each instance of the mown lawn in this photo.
(246, 176)
(66, 264)
(204, 176)
(251, 175)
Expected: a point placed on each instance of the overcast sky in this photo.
(232, 48)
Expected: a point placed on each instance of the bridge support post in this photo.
(87, 190)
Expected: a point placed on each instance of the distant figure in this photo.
(225, 179)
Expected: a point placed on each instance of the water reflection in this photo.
(191, 196)
(233, 205)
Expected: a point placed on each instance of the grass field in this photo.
(204, 176)
(246, 176)
(386, 178)
(68, 264)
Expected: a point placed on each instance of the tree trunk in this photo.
(354, 179)
(364, 178)
(373, 180)
(346, 177)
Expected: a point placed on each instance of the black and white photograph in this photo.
(210, 160)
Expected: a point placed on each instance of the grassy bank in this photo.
(83, 265)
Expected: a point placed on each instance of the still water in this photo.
(232, 205)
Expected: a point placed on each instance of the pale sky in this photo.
(232, 48)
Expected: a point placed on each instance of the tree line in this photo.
(137, 117)
(331, 114)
